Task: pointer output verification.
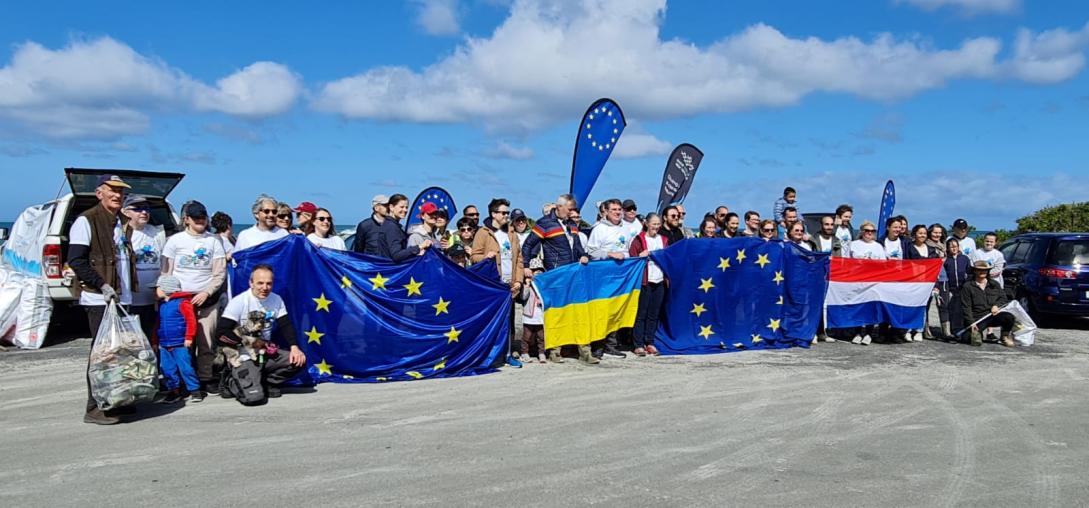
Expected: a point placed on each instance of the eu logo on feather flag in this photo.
(584, 303)
(439, 197)
(363, 319)
(598, 133)
(888, 203)
(739, 294)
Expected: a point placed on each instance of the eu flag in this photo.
(598, 133)
(739, 294)
(888, 203)
(366, 319)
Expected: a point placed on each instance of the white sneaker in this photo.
(525, 358)
(907, 337)
(829, 339)
(814, 341)
(857, 339)
(866, 340)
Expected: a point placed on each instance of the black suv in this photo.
(1048, 272)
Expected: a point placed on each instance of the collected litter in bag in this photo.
(124, 370)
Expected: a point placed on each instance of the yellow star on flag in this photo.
(723, 263)
(705, 332)
(381, 379)
(323, 303)
(740, 255)
(441, 365)
(756, 338)
(413, 287)
(697, 309)
(324, 368)
(762, 260)
(780, 302)
(706, 285)
(452, 335)
(378, 282)
(314, 336)
(778, 278)
(440, 308)
(774, 325)
(414, 374)
(345, 282)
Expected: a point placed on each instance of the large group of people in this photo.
(177, 285)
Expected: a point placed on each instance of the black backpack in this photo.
(244, 383)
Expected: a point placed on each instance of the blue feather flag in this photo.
(365, 319)
(888, 203)
(599, 131)
(437, 195)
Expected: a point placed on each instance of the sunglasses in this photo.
(142, 209)
(869, 230)
(683, 214)
(472, 215)
(465, 228)
(503, 212)
(284, 216)
(323, 219)
(268, 211)
(767, 230)
(671, 216)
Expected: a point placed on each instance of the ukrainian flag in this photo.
(584, 303)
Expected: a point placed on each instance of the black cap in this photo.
(960, 223)
(628, 205)
(516, 214)
(194, 210)
(455, 250)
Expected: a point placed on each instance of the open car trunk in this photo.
(83, 181)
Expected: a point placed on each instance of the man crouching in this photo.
(260, 302)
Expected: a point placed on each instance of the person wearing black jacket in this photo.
(367, 238)
(267, 308)
(100, 252)
(957, 269)
(920, 249)
(983, 298)
(671, 226)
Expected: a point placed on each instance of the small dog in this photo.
(250, 330)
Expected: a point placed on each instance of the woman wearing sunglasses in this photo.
(284, 217)
(866, 247)
(767, 229)
(324, 234)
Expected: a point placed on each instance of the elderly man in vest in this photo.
(100, 252)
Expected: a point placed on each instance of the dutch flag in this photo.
(866, 292)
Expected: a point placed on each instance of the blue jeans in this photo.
(177, 367)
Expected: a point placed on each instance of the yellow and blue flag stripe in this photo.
(584, 303)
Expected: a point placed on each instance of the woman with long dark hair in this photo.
(325, 234)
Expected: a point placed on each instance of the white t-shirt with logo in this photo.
(967, 245)
(861, 249)
(654, 273)
(147, 243)
(254, 236)
(505, 257)
(893, 249)
(994, 259)
(80, 234)
(825, 244)
(329, 242)
(269, 310)
(193, 257)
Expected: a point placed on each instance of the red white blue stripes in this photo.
(865, 292)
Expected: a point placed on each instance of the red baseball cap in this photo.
(428, 208)
(306, 207)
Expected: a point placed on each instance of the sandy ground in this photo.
(928, 424)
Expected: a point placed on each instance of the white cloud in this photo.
(504, 150)
(969, 7)
(438, 17)
(102, 89)
(633, 145)
(550, 58)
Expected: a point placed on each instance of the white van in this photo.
(81, 182)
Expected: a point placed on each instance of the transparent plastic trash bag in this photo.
(123, 368)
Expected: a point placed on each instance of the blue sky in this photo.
(976, 108)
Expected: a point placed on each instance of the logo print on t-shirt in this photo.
(201, 258)
(147, 256)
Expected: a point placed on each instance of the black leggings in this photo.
(1003, 320)
(646, 318)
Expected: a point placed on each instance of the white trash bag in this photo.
(1024, 329)
(32, 318)
(123, 368)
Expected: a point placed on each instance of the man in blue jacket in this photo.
(562, 246)
(367, 240)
